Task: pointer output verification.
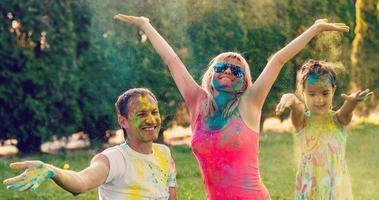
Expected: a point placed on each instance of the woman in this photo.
(226, 111)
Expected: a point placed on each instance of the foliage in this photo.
(39, 86)
(64, 66)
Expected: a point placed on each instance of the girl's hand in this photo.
(285, 102)
(357, 96)
(35, 173)
(139, 21)
(324, 25)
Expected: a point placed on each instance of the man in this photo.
(137, 169)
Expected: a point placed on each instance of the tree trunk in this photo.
(28, 145)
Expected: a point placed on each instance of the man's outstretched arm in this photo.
(37, 172)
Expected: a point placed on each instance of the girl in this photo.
(225, 111)
(322, 171)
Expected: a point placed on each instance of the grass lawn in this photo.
(277, 164)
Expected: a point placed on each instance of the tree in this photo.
(39, 87)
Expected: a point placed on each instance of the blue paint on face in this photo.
(217, 84)
(223, 94)
(236, 86)
(232, 88)
(313, 78)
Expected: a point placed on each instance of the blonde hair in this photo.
(210, 106)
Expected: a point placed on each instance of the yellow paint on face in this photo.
(145, 118)
(145, 103)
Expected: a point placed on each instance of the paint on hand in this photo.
(363, 98)
(32, 178)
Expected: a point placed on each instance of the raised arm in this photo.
(258, 92)
(184, 81)
(345, 113)
(297, 108)
(37, 172)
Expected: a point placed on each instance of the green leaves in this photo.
(70, 82)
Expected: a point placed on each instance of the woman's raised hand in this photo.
(324, 25)
(138, 21)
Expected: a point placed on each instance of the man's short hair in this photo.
(123, 100)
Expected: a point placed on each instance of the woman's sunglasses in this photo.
(220, 67)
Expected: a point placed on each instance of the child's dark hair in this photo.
(122, 102)
(316, 69)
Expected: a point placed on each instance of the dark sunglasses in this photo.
(220, 67)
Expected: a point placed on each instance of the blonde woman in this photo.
(226, 110)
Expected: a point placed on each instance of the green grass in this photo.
(277, 164)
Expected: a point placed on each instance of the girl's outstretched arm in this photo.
(187, 86)
(345, 113)
(258, 92)
(297, 110)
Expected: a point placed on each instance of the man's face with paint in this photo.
(318, 94)
(143, 121)
(227, 81)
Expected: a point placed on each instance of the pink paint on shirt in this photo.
(228, 160)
